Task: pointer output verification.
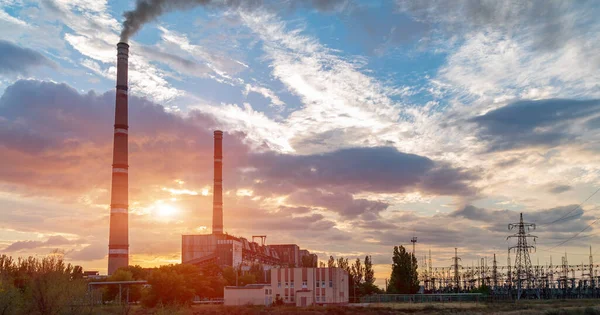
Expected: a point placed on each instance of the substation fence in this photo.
(422, 298)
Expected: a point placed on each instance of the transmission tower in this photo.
(509, 273)
(495, 272)
(522, 260)
(431, 271)
(456, 266)
(591, 268)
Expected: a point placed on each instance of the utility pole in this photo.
(522, 261)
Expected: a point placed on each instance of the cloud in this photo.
(19, 60)
(340, 202)
(534, 123)
(378, 169)
(550, 23)
(55, 240)
(90, 252)
(55, 138)
(560, 189)
(552, 221)
(175, 62)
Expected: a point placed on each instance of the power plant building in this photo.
(227, 250)
(295, 286)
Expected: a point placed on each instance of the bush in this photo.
(40, 286)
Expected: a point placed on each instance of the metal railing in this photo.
(422, 298)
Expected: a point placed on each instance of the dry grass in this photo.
(554, 307)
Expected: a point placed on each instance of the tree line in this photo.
(48, 285)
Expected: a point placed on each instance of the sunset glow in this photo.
(343, 127)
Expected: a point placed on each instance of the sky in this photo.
(350, 126)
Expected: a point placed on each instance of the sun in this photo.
(165, 210)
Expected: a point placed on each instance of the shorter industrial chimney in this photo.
(217, 227)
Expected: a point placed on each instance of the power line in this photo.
(571, 238)
(578, 206)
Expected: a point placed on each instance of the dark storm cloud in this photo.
(19, 60)
(377, 169)
(56, 240)
(550, 22)
(533, 123)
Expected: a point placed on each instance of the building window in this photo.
(323, 284)
(317, 284)
(286, 284)
(279, 284)
(304, 285)
(292, 284)
(266, 291)
(331, 283)
(318, 298)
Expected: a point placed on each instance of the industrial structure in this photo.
(521, 280)
(227, 250)
(297, 286)
(118, 240)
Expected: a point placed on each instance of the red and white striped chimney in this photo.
(217, 227)
(118, 242)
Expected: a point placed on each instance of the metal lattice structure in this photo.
(522, 270)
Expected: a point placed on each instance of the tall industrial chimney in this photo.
(118, 243)
(217, 227)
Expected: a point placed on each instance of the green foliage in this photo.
(111, 292)
(369, 287)
(404, 277)
(172, 285)
(40, 286)
(10, 297)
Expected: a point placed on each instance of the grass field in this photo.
(554, 307)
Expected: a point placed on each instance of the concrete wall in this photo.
(248, 295)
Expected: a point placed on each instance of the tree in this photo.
(111, 292)
(174, 285)
(404, 277)
(331, 262)
(343, 263)
(213, 275)
(369, 286)
(357, 275)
